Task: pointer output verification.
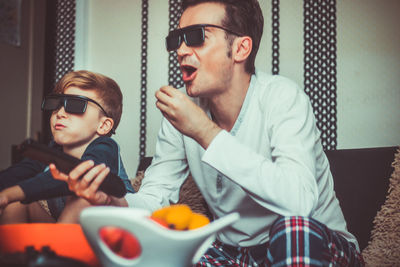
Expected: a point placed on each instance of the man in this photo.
(250, 142)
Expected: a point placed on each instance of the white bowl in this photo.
(159, 246)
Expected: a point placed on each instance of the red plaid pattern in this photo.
(294, 241)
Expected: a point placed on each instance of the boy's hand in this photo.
(85, 180)
(186, 116)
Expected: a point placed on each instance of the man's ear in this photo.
(242, 47)
(105, 126)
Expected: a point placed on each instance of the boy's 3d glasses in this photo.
(192, 35)
(75, 104)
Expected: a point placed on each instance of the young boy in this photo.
(86, 109)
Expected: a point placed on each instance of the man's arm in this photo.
(167, 172)
(285, 180)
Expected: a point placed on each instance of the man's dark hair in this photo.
(242, 16)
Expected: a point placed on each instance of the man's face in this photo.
(206, 69)
(71, 130)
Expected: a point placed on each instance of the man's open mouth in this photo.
(188, 72)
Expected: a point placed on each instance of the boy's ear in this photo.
(242, 48)
(105, 126)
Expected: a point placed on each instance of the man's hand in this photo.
(85, 180)
(186, 116)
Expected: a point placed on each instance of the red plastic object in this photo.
(121, 242)
(64, 239)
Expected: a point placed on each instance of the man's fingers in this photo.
(163, 108)
(160, 105)
(168, 90)
(162, 98)
(166, 93)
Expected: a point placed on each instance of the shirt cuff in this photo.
(214, 149)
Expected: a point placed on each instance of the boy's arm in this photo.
(105, 150)
(18, 172)
(33, 183)
(87, 186)
(43, 186)
(101, 157)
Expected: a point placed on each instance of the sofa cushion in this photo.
(384, 247)
(361, 179)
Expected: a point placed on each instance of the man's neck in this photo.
(225, 108)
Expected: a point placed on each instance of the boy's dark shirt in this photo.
(39, 184)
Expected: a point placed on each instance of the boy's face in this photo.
(74, 130)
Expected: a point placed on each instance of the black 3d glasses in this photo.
(192, 35)
(75, 104)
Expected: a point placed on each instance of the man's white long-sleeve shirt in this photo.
(271, 163)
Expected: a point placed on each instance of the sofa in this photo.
(361, 182)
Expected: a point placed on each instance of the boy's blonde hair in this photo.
(106, 88)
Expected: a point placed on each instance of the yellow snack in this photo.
(198, 220)
(161, 213)
(178, 217)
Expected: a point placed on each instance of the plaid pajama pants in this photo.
(294, 241)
